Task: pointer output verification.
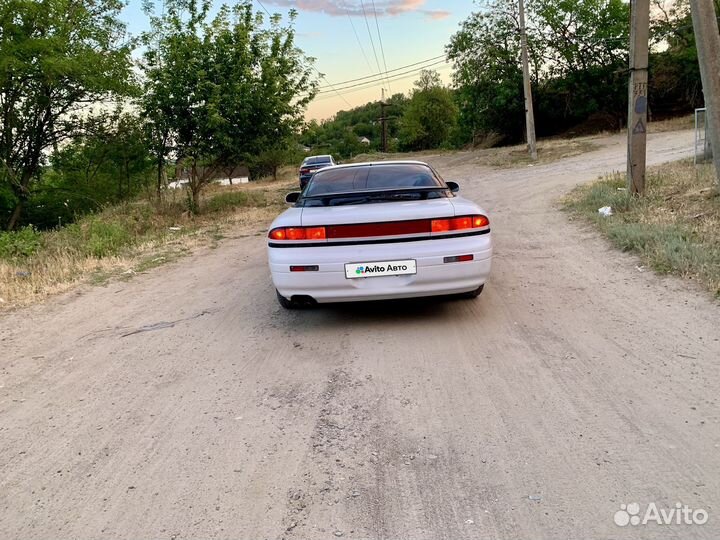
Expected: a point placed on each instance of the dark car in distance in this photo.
(311, 165)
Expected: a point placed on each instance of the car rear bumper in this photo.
(434, 276)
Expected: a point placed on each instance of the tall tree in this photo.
(486, 57)
(578, 56)
(430, 116)
(57, 59)
(224, 89)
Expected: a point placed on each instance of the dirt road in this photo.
(186, 403)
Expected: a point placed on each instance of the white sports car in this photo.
(378, 231)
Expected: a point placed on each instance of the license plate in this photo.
(379, 269)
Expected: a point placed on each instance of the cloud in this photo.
(436, 15)
(338, 8)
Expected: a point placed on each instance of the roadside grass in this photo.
(675, 228)
(123, 240)
(549, 150)
(672, 124)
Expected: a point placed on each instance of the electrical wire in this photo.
(313, 67)
(389, 71)
(382, 48)
(327, 95)
(357, 37)
(372, 41)
(375, 82)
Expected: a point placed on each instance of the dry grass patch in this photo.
(549, 150)
(672, 124)
(126, 239)
(674, 229)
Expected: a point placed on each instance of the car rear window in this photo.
(376, 177)
(317, 160)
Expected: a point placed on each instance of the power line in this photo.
(372, 41)
(263, 6)
(390, 71)
(326, 95)
(357, 36)
(380, 80)
(313, 67)
(382, 48)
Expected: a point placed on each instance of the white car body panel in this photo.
(433, 277)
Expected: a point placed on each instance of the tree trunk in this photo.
(22, 193)
(17, 212)
(159, 178)
(195, 186)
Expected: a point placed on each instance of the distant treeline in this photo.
(90, 116)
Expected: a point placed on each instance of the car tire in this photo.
(473, 294)
(284, 302)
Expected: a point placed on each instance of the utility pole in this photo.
(529, 113)
(637, 92)
(383, 122)
(707, 38)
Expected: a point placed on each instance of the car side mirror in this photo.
(292, 197)
(454, 187)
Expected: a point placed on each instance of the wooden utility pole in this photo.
(529, 113)
(383, 122)
(638, 91)
(707, 38)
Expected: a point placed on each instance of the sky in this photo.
(337, 34)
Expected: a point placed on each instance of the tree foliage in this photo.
(340, 135)
(57, 59)
(107, 164)
(675, 85)
(430, 116)
(578, 54)
(219, 92)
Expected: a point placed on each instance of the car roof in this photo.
(381, 163)
(325, 156)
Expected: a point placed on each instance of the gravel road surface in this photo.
(185, 403)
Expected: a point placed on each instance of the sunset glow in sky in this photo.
(337, 35)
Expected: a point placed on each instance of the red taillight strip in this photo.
(297, 233)
(374, 230)
(390, 228)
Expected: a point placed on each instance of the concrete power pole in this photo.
(529, 113)
(383, 122)
(707, 38)
(638, 90)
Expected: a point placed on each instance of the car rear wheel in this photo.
(474, 294)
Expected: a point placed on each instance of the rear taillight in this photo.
(459, 224)
(297, 233)
(416, 227)
(304, 171)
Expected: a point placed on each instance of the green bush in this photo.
(98, 238)
(235, 199)
(668, 248)
(21, 243)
